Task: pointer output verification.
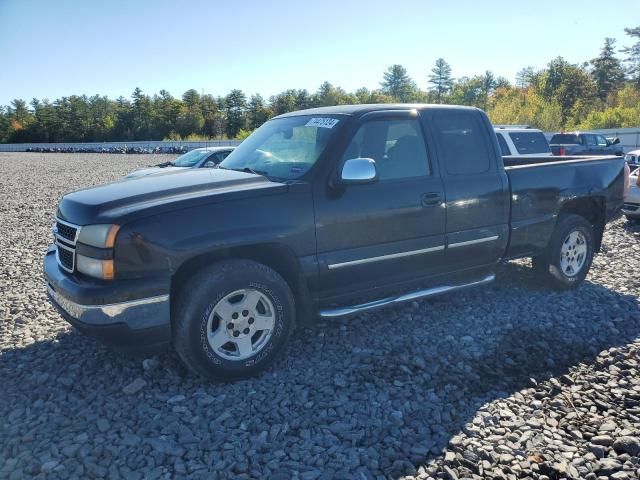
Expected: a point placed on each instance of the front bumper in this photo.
(129, 313)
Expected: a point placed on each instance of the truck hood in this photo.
(154, 171)
(124, 200)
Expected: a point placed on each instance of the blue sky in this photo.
(58, 48)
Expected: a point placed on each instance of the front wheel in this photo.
(233, 319)
(566, 261)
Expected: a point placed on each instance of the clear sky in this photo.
(53, 48)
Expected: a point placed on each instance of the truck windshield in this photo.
(530, 142)
(284, 148)
(564, 138)
(189, 159)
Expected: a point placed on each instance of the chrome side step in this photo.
(385, 302)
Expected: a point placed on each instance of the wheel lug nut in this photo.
(245, 313)
(251, 320)
(230, 325)
(234, 315)
(246, 330)
(236, 333)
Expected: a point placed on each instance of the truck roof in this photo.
(370, 107)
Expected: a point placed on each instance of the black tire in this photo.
(196, 302)
(547, 265)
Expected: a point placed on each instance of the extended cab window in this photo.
(397, 146)
(463, 146)
(565, 138)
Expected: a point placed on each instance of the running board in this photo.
(385, 302)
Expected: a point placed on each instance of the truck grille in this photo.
(66, 257)
(66, 231)
(65, 235)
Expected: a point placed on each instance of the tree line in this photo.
(601, 93)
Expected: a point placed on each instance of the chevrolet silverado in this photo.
(326, 213)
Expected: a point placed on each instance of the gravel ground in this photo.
(508, 381)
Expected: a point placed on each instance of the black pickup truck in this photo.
(319, 213)
(584, 143)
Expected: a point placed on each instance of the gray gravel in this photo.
(508, 381)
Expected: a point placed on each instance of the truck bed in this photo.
(539, 186)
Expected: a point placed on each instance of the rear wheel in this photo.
(566, 260)
(233, 319)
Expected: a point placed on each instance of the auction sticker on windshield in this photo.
(322, 122)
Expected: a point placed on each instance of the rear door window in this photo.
(464, 145)
(528, 143)
(504, 148)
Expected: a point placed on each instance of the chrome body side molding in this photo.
(384, 257)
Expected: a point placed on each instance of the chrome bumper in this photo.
(136, 314)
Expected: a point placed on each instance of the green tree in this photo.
(633, 55)
(607, 70)
(258, 112)
(213, 118)
(142, 115)
(283, 102)
(566, 83)
(235, 107)
(398, 84)
(440, 79)
(328, 95)
(468, 91)
(525, 77)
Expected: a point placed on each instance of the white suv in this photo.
(522, 141)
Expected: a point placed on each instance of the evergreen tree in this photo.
(607, 70)
(398, 84)
(258, 112)
(235, 107)
(440, 79)
(633, 55)
(524, 77)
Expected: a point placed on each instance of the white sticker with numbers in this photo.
(322, 122)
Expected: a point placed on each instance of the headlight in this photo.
(101, 236)
(94, 251)
(94, 267)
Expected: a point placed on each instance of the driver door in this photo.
(386, 233)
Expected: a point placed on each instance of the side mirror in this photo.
(209, 164)
(613, 141)
(359, 171)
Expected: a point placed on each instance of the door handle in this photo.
(431, 199)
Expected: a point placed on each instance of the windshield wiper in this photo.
(165, 164)
(262, 173)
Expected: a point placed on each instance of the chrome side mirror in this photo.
(209, 164)
(359, 171)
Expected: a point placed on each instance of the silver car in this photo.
(198, 158)
(631, 207)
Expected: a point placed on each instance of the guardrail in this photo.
(117, 146)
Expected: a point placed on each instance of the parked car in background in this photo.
(584, 143)
(631, 207)
(522, 141)
(198, 158)
(326, 213)
(633, 158)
